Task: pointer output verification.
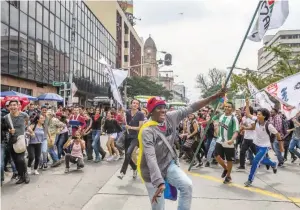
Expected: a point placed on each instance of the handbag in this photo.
(20, 144)
(170, 192)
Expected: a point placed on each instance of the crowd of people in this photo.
(72, 135)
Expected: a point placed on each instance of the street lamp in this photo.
(251, 70)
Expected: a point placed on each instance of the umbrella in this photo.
(23, 100)
(14, 93)
(50, 97)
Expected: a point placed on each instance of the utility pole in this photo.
(70, 102)
(125, 94)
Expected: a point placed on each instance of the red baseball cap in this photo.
(153, 102)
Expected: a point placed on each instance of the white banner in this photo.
(271, 15)
(288, 111)
(113, 86)
(261, 98)
(287, 90)
(120, 76)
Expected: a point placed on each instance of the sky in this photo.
(207, 35)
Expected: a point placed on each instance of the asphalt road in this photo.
(96, 187)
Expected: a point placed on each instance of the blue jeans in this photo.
(277, 151)
(294, 142)
(53, 154)
(60, 141)
(179, 179)
(260, 157)
(96, 142)
(211, 149)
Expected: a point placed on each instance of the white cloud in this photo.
(207, 35)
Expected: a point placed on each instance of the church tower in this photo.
(150, 67)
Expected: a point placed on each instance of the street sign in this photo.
(57, 84)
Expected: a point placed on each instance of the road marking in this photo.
(251, 189)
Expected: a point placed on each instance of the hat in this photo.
(154, 102)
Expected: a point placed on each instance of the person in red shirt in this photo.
(77, 121)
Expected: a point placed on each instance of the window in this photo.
(23, 45)
(23, 22)
(14, 40)
(46, 4)
(14, 17)
(46, 17)
(62, 29)
(126, 44)
(51, 40)
(24, 6)
(125, 58)
(39, 13)
(13, 63)
(57, 9)
(5, 12)
(31, 8)
(45, 35)
(52, 6)
(31, 28)
(57, 26)
(4, 61)
(63, 14)
(15, 4)
(4, 36)
(52, 21)
(57, 45)
(39, 32)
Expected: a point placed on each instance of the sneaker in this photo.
(294, 159)
(280, 165)
(67, 170)
(207, 164)
(275, 168)
(26, 178)
(110, 158)
(55, 164)
(227, 180)
(224, 173)
(29, 170)
(248, 183)
(14, 176)
(199, 165)
(35, 172)
(121, 175)
(21, 180)
(117, 157)
(97, 160)
(134, 174)
(241, 168)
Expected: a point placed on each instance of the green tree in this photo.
(145, 86)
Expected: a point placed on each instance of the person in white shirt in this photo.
(263, 130)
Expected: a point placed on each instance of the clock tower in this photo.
(150, 68)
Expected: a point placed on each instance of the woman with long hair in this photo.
(111, 127)
(37, 136)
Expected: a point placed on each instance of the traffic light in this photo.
(168, 59)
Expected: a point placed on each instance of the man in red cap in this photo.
(158, 162)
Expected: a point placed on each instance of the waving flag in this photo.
(271, 15)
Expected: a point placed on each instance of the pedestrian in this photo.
(158, 162)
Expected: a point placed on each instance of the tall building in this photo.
(289, 38)
(179, 93)
(35, 47)
(128, 44)
(150, 67)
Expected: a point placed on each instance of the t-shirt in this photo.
(247, 122)
(18, 122)
(134, 122)
(261, 137)
(228, 125)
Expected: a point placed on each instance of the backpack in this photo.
(271, 135)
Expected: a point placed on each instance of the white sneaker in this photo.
(109, 158)
(121, 176)
(29, 170)
(117, 157)
(134, 174)
(36, 172)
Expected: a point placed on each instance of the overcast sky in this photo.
(207, 35)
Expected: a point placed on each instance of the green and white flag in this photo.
(271, 15)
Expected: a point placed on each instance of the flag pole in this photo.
(226, 81)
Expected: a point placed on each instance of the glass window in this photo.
(24, 6)
(62, 67)
(57, 26)
(67, 50)
(31, 49)
(4, 36)
(14, 17)
(23, 69)
(46, 4)
(4, 61)
(38, 49)
(23, 45)
(5, 12)
(32, 8)
(45, 64)
(39, 12)
(51, 40)
(45, 35)
(31, 28)
(62, 29)
(51, 65)
(57, 45)
(68, 5)
(23, 22)
(14, 40)
(13, 64)
(46, 17)
(39, 32)
(52, 6)
(62, 45)
(68, 18)
(67, 35)
(63, 14)
(52, 21)
(57, 12)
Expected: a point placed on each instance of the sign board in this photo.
(57, 84)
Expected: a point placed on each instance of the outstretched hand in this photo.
(221, 93)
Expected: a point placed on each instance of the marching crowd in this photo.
(72, 135)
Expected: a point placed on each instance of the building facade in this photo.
(150, 67)
(35, 48)
(288, 38)
(129, 45)
(179, 93)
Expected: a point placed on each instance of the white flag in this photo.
(261, 98)
(271, 15)
(288, 111)
(120, 76)
(287, 90)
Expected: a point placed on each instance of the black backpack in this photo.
(271, 135)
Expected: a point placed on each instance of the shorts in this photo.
(113, 135)
(224, 152)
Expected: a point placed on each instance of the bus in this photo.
(176, 105)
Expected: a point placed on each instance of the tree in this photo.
(145, 86)
(287, 64)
